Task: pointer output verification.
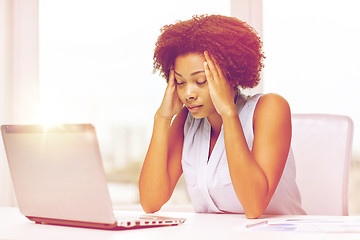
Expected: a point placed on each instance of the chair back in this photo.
(322, 145)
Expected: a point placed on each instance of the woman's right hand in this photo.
(162, 166)
(171, 104)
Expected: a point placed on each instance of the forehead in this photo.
(189, 63)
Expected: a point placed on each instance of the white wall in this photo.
(250, 11)
(312, 50)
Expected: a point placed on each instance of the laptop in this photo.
(59, 178)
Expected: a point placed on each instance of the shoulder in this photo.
(272, 108)
(272, 100)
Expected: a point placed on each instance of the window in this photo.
(96, 66)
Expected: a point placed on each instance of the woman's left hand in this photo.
(221, 92)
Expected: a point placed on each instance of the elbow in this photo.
(255, 211)
(151, 204)
(152, 198)
(148, 201)
(253, 215)
(257, 205)
(150, 208)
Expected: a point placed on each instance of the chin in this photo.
(197, 115)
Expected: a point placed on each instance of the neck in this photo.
(215, 123)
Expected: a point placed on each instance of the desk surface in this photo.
(198, 226)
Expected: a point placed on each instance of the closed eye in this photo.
(178, 83)
(202, 82)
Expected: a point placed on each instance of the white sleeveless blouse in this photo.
(209, 183)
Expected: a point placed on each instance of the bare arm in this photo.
(255, 173)
(162, 165)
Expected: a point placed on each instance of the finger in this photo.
(219, 72)
(211, 64)
(171, 87)
(171, 75)
(208, 73)
(171, 81)
(218, 69)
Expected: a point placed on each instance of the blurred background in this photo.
(90, 61)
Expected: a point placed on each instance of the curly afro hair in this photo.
(234, 45)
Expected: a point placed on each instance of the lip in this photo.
(194, 108)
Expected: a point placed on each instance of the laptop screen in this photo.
(57, 172)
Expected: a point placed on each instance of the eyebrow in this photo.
(192, 74)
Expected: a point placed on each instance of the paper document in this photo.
(328, 225)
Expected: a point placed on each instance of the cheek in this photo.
(206, 95)
(180, 94)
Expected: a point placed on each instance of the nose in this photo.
(190, 92)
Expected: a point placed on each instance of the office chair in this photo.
(322, 145)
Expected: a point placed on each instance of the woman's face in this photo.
(192, 86)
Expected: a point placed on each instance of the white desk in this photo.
(198, 226)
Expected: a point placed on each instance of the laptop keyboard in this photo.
(132, 220)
